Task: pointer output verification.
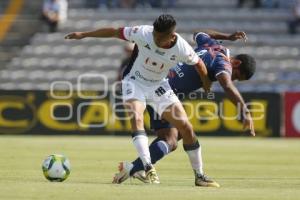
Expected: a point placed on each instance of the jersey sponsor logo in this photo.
(178, 71)
(139, 75)
(150, 70)
(151, 65)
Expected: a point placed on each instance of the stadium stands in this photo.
(49, 57)
(24, 26)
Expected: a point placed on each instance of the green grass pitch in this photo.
(246, 168)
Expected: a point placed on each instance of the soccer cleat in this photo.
(151, 176)
(204, 181)
(124, 172)
(140, 175)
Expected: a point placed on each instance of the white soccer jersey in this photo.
(153, 63)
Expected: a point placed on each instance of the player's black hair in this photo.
(248, 65)
(164, 23)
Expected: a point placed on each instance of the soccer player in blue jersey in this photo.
(222, 68)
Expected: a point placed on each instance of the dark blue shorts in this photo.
(155, 122)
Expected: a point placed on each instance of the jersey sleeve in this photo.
(202, 38)
(132, 34)
(190, 57)
(222, 65)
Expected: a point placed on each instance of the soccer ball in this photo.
(56, 168)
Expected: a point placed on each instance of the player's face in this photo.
(164, 40)
(236, 75)
(236, 72)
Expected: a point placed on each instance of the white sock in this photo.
(196, 160)
(141, 144)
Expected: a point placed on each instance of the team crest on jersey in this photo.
(160, 52)
(173, 57)
(147, 46)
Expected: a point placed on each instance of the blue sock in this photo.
(158, 149)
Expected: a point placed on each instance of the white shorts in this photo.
(159, 97)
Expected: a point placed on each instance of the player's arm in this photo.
(191, 58)
(100, 33)
(224, 36)
(202, 71)
(235, 97)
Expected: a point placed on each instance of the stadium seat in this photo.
(49, 57)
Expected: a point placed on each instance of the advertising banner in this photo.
(292, 114)
(99, 113)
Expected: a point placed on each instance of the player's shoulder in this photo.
(181, 40)
(143, 29)
(138, 33)
(146, 27)
(182, 44)
(203, 39)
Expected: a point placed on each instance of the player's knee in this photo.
(172, 144)
(138, 121)
(172, 141)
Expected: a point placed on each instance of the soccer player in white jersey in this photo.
(160, 48)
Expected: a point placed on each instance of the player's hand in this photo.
(248, 123)
(75, 36)
(238, 35)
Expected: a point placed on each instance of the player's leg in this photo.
(165, 143)
(167, 105)
(164, 131)
(135, 110)
(176, 115)
(167, 135)
(171, 137)
(134, 98)
(134, 103)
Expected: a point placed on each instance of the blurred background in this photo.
(40, 89)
